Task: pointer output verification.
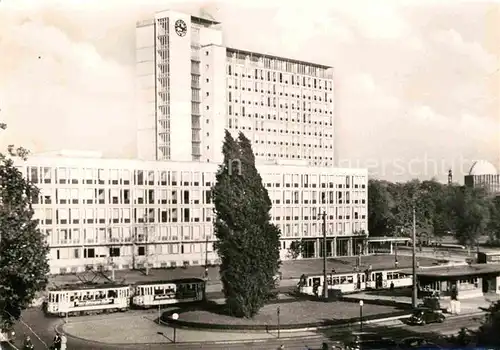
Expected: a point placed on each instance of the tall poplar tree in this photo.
(247, 243)
(23, 251)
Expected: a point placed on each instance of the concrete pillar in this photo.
(349, 247)
(333, 247)
(316, 249)
(392, 248)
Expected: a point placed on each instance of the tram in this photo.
(150, 294)
(351, 282)
(84, 300)
(76, 300)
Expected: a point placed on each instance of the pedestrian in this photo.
(57, 341)
(28, 345)
(282, 347)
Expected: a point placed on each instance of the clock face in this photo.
(180, 27)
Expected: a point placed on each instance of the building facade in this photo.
(103, 212)
(191, 87)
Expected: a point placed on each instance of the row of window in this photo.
(278, 77)
(105, 252)
(276, 127)
(172, 215)
(105, 236)
(297, 101)
(186, 197)
(291, 121)
(74, 175)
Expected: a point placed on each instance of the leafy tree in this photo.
(380, 205)
(470, 208)
(487, 334)
(296, 249)
(247, 243)
(23, 250)
(494, 224)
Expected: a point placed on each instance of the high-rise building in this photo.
(192, 88)
(157, 210)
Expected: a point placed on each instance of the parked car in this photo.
(369, 341)
(417, 343)
(424, 316)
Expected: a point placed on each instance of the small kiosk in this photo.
(470, 281)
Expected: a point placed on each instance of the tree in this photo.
(296, 249)
(487, 334)
(494, 224)
(380, 204)
(23, 252)
(471, 209)
(247, 243)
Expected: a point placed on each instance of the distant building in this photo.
(483, 174)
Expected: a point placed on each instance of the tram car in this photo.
(80, 299)
(75, 300)
(352, 282)
(151, 294)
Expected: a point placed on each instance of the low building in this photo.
(98, 212)
(483, 174)
(470, 280)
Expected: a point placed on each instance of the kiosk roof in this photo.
(457, 271)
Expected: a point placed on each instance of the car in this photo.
(424, 316)
(369, 341)
(417, 343)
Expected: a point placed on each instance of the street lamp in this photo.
(175, 317)
(278, 313)
(361, 315)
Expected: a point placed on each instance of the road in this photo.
(44, 328)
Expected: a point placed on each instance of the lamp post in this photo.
(325, 277)
(361, 315)
(414, 260)
(175, 317)
(278, 313)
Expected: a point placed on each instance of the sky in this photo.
(417, 83)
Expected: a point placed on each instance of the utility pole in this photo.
(206, 258)
(325, 282)
(414, 256)
(206, 253)
(134, 237)
(146, 237)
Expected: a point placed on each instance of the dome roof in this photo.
(482, 167)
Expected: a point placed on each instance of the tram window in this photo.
(57, 298)
(343, 279)
(112, 294)
(350, 279)
(159, 291)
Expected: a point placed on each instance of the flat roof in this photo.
(204, 20)
(174, 281)
(388, 239)
(457, 271)
(265, 55)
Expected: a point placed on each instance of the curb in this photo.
(60, 328)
